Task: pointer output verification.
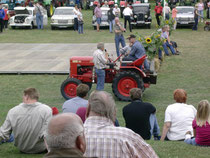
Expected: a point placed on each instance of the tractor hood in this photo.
(21, 10)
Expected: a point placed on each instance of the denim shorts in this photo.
(98, 20)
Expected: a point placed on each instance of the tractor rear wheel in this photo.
(123, 82)
(69, 88)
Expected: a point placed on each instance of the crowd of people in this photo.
(88, 126)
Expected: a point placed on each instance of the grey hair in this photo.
(102, 103)
(100, 45)
(66, 137)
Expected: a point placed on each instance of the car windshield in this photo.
(185, 10)
(64, 12)
(140, 9)
(23, 12)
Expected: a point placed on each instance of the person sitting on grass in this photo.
(140, 116)
(28, 122)
(178, 117)
(65, 137)
(73, 104)
(201, 126)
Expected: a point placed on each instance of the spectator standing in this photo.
(200, 10)
(174, 13)
(76, 12)
(28, 122)
(116, 11)
(140, 116)
(196, 15)
(178, 117)
(6, 18)
(201, 126)
(80, 100)
(127, 12)
(2, 15)
(98, 14)
(137, 51)
(208, 9)
(105, 4)
(105, 140)
(100, 59)
(119, 38)
(158, 12)
(111, 18)
(39, 10)
(167, 11)
(65, 137)
(80, 21)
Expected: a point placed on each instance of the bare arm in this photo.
(194, 132)
(166, 127)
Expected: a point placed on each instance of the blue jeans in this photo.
(201, 13)
(155, 129)
(119, 39)
(39, 21)
(167, 16)
(80, 28)
(165, 45)
(100, 79)
(190, 141)
(195, 26)
(98, 20)
(11, 139)
(111, 24)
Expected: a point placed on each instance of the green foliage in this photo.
(169, 22)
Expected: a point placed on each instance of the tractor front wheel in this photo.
(69, 88)
(123, 82)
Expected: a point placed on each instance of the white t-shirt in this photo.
(181, 117)
(76, 13)
(167, 9)
(127, 11)
(116, 11)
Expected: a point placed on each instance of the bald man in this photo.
(65, 136)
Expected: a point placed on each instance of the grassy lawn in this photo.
(190, 71)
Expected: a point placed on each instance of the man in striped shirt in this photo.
(103, 139)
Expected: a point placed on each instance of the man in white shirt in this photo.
(178, 117)
(127, 12)
(167, 11)
(28, 122)
(100, 60)
(116, 11)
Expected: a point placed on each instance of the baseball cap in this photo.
(131, 36)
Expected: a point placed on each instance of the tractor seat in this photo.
(136, 63)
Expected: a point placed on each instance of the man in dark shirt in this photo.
(140, 116)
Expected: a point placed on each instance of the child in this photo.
(201, 126)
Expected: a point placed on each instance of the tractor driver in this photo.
(137, 51)
(100, 58)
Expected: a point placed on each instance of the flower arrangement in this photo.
(164, 22)
(151, 43)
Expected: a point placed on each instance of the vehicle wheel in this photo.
(13, 27)
(32, 26)
(94, 27)
(206, 28)
(52, 28)
(68, 88)
(123, 82)
(149, 26)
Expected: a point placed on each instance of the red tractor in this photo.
(123, 79)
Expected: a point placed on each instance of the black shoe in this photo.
(157, 137)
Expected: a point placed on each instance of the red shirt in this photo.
(202, 134)
(158, 9)
(6, 15)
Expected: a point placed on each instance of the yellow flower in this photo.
(167, 21)
(148, 40)
(157, 36)
(140, 39)
(164, 40)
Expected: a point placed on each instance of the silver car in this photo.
(185, 15)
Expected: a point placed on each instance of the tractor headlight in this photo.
(145, 16)
(135, 16)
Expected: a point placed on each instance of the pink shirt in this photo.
(202, 133)
(174, 12)
(200, 6)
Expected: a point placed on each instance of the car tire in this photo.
(52, 28)
(149, 26)
(32, 26)
(13, 27)
(94, 27)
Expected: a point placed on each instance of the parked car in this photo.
(104, 18)
(63, 17)
(25, 17)
(141, 15)
(185, 16)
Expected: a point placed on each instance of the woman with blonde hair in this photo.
(201, 126)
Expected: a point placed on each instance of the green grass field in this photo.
(190, 71)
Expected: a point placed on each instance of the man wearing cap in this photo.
(137, 51)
